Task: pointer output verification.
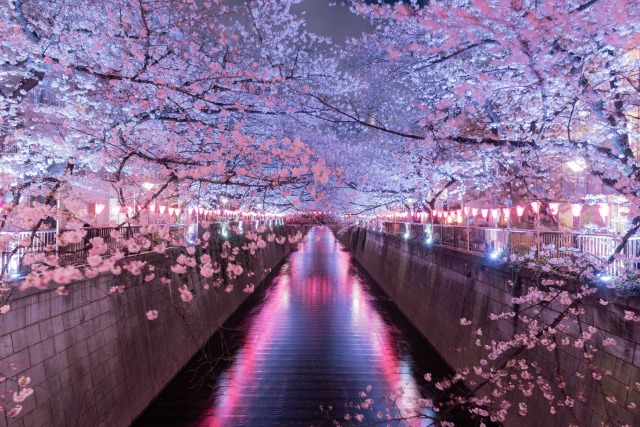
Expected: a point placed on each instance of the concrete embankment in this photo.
(436, 286)
(93, 356)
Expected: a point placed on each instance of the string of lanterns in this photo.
(191, 211)
(604, 210)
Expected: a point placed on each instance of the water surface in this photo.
(314, 337)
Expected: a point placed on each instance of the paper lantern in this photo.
(466, 210)
(506, 212)
(520, 210)
(536, 207)
(162, 209)
(99, 208)
(171, 210)
(603, 208)
(554, 208)
(474, 211)
(576, 208)
(178, 210)
(484, 213)
(495, 213)
(152, 207)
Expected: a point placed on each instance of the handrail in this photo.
(76, 253)
(492, 241)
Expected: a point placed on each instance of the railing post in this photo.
(58, 218)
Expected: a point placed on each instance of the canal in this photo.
(301, 351)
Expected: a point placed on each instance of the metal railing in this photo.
(487, 240)
(45, 241)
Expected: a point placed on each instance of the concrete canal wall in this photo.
(95, 359)
(435, 287)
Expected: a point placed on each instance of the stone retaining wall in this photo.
(95, 359)
(435, 287)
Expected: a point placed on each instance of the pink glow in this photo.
(536, 207)
(604, 209)
(576, 209)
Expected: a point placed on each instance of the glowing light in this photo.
(605, 278)
(162, 209)
(577, 165)
(506, 212)
(171, 210)
(520, 210)
(484, 213)
(495, 213)
(536, 207)
(554, 208)
(99, 208)
(576, 208)
(603, 208)
(177, 211)
(152, 207)
(474, 211)
(466, 211)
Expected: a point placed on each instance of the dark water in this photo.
(317, 335)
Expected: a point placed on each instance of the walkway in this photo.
(317, 335)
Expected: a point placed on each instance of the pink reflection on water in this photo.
(314, 292)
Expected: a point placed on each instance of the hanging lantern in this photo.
(177, 211)
(576, 209)
(474, 211)
(162, 209)
(466, 210)
(152, 207)
(536, 207)
(99, 207)
(554, 208)
(171, 210)
(190, 210)
(603, 208)
(201, 211)
(506, 212)
(520, 211)
(435, 212)
(495, 213)
(484, 213)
